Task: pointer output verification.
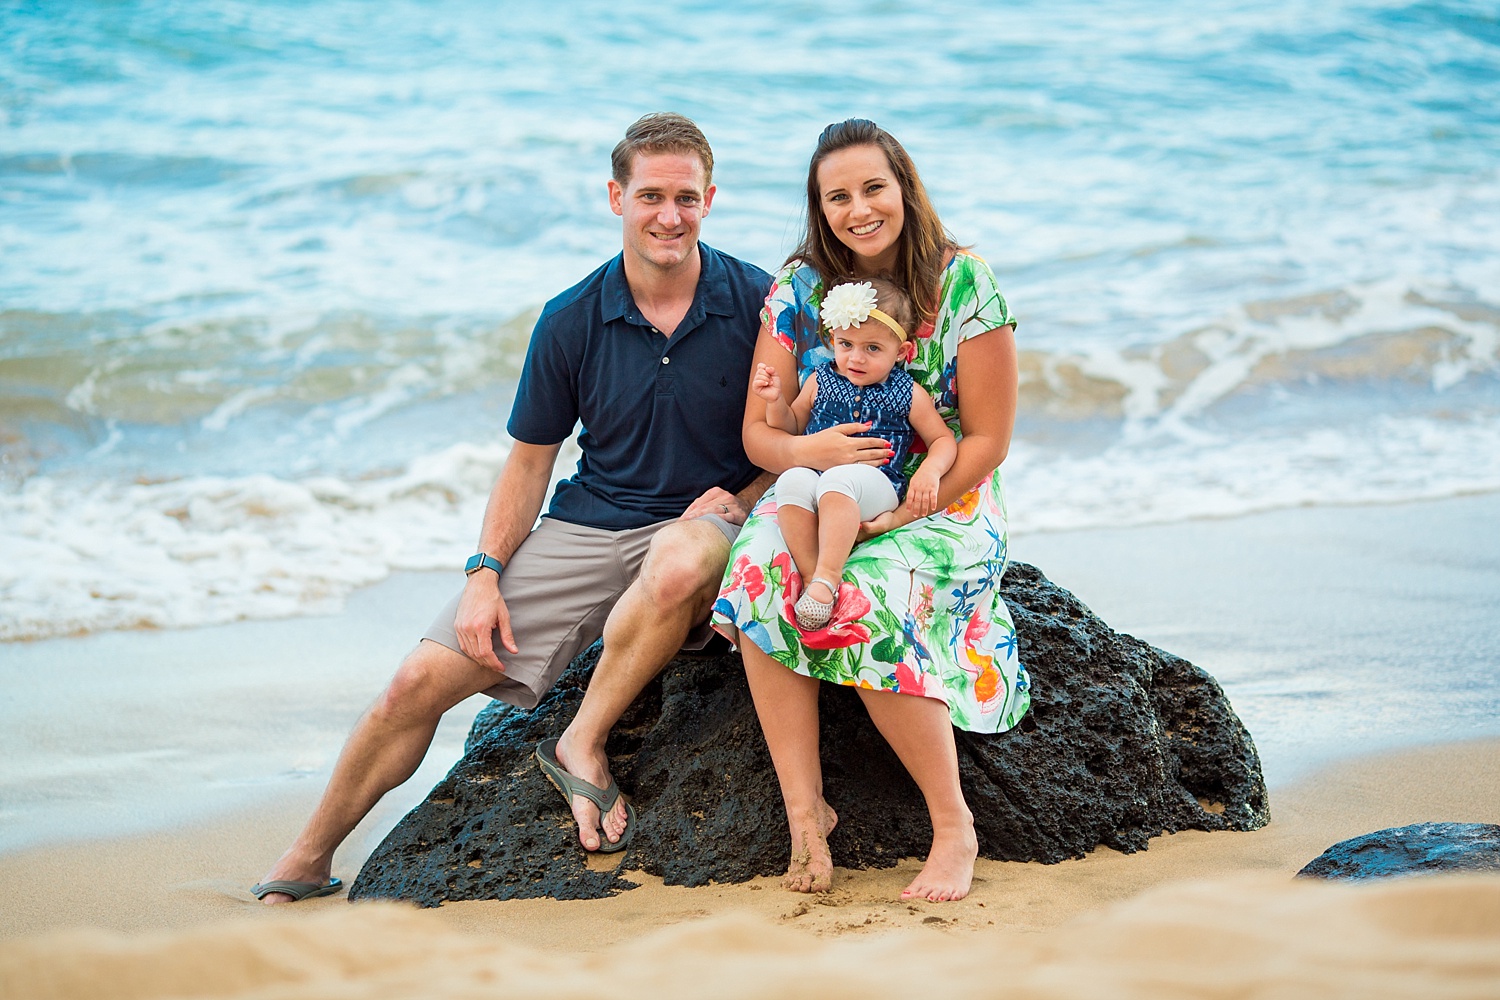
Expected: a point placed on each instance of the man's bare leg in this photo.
(921, 733)
(384, 749)
(676, 588)
(786, 703)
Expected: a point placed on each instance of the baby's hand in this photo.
(766, 384)
(921, 493)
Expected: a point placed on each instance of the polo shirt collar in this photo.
(713, 294)
(713, 283)
(615, 299)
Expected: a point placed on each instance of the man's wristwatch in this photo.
(479, 561)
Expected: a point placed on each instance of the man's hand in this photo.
(481, 610)
(720, 502)
(838, 446)
(921, 493)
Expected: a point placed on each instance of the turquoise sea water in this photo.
(267, 270)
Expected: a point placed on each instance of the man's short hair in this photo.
(661, 132)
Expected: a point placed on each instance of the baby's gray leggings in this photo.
(864, 484)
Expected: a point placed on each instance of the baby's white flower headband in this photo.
(853, 302)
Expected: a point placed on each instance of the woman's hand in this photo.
(889, 521)
(838, 446)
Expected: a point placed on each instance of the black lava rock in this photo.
(1123, 742)
(1419, 849)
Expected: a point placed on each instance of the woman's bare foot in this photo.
(811, 869)
(949, 869)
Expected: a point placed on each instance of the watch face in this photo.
(474, 563)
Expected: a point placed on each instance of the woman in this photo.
(918, 626)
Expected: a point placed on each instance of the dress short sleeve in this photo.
(791, 316)
(975, 304)
(780, 308)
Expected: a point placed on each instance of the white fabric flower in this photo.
(848, 304)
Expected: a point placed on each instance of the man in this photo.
(652, 352)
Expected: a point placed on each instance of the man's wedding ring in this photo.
(723, 508)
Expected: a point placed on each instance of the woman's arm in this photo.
(988, 376)
(775, 450)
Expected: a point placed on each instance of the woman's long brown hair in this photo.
(924, 243)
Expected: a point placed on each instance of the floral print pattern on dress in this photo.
(919, 610)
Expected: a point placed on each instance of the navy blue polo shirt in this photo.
(661, 415)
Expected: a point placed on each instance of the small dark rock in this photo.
(1419, 849)
(1123, 742)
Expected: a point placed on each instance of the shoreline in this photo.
(1335, 631)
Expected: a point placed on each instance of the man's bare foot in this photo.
(811, 869)
(949, 869)
(292, 867)
(593, 768)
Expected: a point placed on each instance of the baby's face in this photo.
(865, 354)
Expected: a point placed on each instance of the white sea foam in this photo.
(1397, 459)
(202, 550)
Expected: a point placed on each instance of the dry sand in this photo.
(1201, 915)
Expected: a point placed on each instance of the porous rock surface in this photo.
(1123, 742)
(1419, 849)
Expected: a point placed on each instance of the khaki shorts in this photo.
(560, 587)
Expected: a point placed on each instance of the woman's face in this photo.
(861, 201)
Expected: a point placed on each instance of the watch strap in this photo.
(481, 560)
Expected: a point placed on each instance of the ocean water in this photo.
(268, 270)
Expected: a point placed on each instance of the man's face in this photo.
(663, 205)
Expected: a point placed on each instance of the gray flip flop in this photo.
(297, 890)
(570, 785)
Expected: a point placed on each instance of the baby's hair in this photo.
(891, 299)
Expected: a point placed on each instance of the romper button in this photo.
(666, 361)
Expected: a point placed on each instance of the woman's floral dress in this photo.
(919, 609)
